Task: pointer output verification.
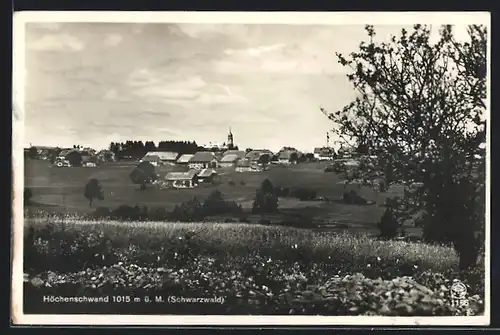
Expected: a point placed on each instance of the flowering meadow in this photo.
(257, 270)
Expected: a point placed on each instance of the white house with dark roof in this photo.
(182, 179)
(164, 157)
(285, 156)
(324, 154)
(203, 160)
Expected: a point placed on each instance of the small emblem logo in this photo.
(458, 292)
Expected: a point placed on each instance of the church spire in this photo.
(230, 142)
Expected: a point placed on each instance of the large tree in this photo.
(143, 174)
(421, 107)
(93, 190)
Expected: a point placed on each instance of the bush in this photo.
(158, 214)
(126, 212)
(265, 200)
(352, 198)
(303, 194)
(215, 204)
(388, 224)
(102, 212)
(188, 211)
(231, 182)
(265, 203)
(242, 183)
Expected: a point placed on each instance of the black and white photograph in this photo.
(217, 168)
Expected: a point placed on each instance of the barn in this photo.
(163, 157)
(207, 176)
(182, 179)
(203, 160)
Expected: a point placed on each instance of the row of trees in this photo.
(137, 149)
(421, 106)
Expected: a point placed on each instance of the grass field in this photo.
(61, 190)
(257, 269)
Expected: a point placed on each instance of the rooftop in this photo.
(202, 156)
(181, 175)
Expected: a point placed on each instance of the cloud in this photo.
(113, 40)
(57, 42)
(149, 85)
(255, 52)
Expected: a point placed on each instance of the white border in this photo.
(297, 18)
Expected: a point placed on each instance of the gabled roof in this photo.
(185, 158)
(202, 157)
(239, 153)
(324, 151)
(287, 154)
(151, 158)
(243, 163)
(231, 158)
(181, 175)
(255, 154)
(207, 173)
(67, 151)
(164, 155)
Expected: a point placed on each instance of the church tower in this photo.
(230, 141)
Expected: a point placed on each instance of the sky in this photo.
(95, 83)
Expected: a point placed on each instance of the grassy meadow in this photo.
(258, 269)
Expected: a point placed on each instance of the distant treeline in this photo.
(137, 149)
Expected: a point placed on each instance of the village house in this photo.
(203, 160)
(182, 179)
(254, 155)
(153, 159)
(324, 154)
(164, 157)
(285, 157)
(240, 153)
(228, 161)
(89, 161)
(206, 176)
(243, 165)
(106, 156)
(184, 159)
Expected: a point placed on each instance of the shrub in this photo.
(102, 212)
(388, 224)
(158, 214)
(188, 211)
(353, 198)
(242, 183)
(215, 204)
(126, 212)
(231, 182)
(303, 194)
(265, 200)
